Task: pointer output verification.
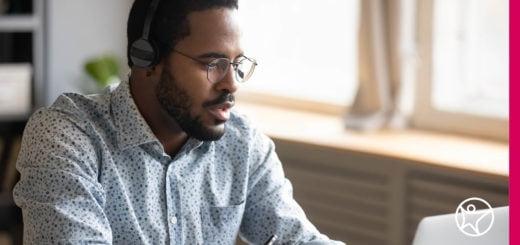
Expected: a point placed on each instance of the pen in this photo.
(271, 240)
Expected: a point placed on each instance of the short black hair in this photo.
(169, 24)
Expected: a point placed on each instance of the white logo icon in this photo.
(471, 221)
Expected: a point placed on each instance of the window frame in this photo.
(425, 116)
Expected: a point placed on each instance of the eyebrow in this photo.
(216, 55)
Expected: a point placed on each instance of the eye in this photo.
(213, 64)
(222, 64)
(240, 73)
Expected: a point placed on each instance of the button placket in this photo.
(172, 201)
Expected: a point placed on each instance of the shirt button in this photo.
(173, 220)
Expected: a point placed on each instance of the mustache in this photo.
(223, 98)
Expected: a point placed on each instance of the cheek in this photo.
(192, 78)
(189, 71)
(197, 89)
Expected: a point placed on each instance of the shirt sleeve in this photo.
(58, 192)
(270, 206)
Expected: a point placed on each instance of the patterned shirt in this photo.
(93, 172)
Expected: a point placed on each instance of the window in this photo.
(470, 57)
(300, 54)
(309, 51)
(464, 81)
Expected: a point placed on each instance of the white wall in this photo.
(78, 30)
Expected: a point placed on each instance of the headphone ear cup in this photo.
(143, 53)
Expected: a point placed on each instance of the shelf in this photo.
(13, 118)
(18, 23)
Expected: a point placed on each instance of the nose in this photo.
(228, 83)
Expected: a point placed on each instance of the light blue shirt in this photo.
(92, 172)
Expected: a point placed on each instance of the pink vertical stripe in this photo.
(513, 114)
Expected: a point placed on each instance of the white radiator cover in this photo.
(365, 199)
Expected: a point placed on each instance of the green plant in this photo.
(104, 70)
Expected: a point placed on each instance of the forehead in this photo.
(213, 30)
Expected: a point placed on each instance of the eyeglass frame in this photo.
(231, 63)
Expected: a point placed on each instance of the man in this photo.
(160, 159)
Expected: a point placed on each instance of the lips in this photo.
(222, 111)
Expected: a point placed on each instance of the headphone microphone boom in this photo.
(143, 51)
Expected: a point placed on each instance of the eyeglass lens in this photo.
(218, 69)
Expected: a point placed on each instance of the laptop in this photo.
(478, 228)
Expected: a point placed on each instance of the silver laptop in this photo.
(476, 228)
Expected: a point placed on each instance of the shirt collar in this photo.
(132, 129)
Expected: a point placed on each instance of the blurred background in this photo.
(383, 111)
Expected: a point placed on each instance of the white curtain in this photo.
(386, 66)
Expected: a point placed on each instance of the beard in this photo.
(178, 104)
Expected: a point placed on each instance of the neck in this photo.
(164, 127)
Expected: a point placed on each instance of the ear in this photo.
(147, 75)
(154, 73)
(150, 75)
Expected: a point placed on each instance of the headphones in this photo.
(143, 51)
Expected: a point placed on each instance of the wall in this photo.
(78, 30)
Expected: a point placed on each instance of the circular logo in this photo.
(474, 217)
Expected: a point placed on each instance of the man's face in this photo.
(199, 106)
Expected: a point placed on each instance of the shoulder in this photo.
(86, 107)
(88, 113)
(71, 117)
(58, 137)
(68, 117)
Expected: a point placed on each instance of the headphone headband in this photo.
(149, 18)
(143, 51)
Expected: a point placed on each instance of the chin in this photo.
(217, 130)
(210, 133)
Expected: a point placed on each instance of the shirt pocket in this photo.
(220, 224)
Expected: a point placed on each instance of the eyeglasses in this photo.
(219, 67)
